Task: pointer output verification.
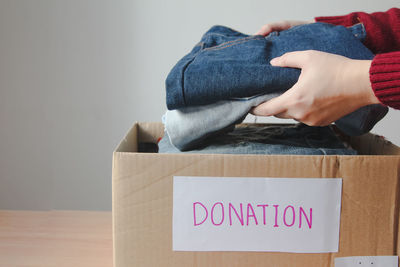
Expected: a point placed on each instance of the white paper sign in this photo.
(256, 214)
(370, 261)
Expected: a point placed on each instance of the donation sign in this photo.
(256, 214)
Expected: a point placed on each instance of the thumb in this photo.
(295, 59)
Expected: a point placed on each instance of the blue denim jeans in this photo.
(187, 127)
(227, 64)
(275, 139)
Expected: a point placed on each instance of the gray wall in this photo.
(75, 75)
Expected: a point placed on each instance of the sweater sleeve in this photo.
(385, 78)
(383, 38)
(383, 28)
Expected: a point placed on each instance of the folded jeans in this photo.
(188, 127)
(227, 64)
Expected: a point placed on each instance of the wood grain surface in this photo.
(55, 238)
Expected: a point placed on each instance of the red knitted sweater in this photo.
(383, 39)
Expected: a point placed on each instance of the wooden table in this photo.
(55, 238)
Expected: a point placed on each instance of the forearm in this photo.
(383, 38)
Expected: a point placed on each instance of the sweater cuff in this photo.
(385, 78)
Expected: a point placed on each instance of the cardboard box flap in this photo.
(141, 132)
(130, 142)
(150, 132)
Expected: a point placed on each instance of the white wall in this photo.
(75, 75)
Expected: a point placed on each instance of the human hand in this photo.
(280, 26)
(329, 87)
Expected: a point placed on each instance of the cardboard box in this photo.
(142, 200)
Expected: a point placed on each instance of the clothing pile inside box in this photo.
(202, 135)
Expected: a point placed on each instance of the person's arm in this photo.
(383, 38)
(383, 28)
(383, 35)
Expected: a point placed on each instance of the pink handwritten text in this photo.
(246, 214)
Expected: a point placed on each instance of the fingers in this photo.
(265, 30)
(280, 26)
(276, 26)
(295, 59)
(278, 106)
(272, 107)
